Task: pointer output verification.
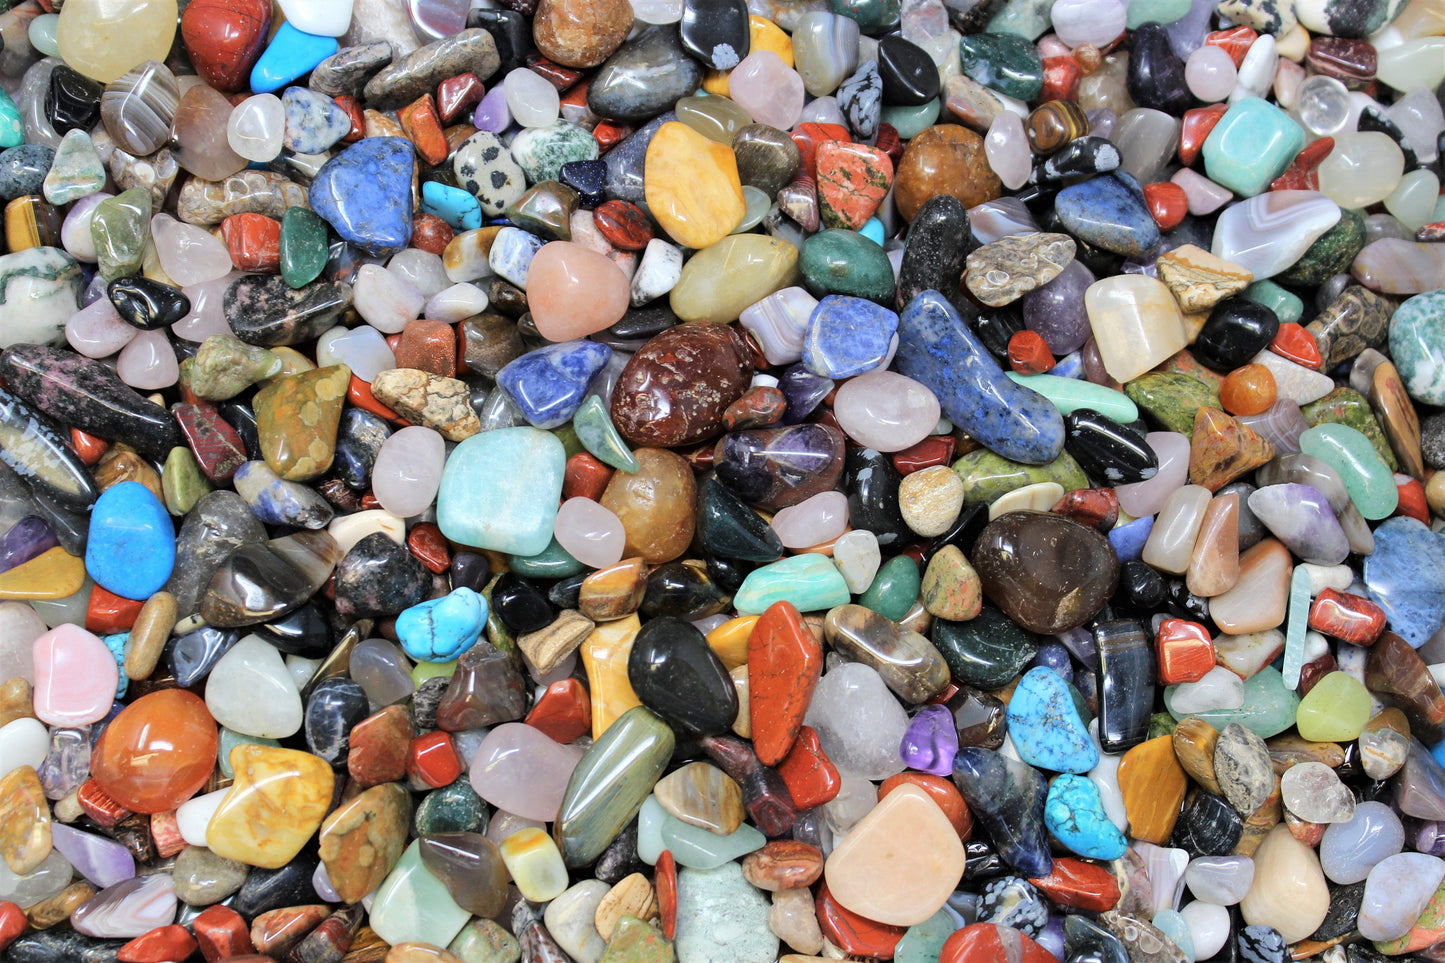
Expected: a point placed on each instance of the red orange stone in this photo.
(665, 885)
(1297, 344)
(585, 477)
(856, 935)
(359, 394)
(943, 792)
(852, 181)
(99, 805)
(623, 224)
(160, 945)
(428, 545)
(1235, 41)
(357, 115)
(430, 233)
(108, 614)
(158, 752)
(432, 761)
(992, 943)
(1349, 618)
(933, 450)
(1061, 78)
(761, 406)
(254, 242)
(88, 447)
(1167, 203)
(423, 128)
(1028, 353)
(809, 136)
(1074, 882)
(1248, 390)
(1185, 650)
(564, 712)
(224, 39)
(379, 745)
(12, 923)
(785, 661)
(809, 774)
(1303, 172)
(1413, 503)
(457, 95)
(1094, 507)
(1197, 124)
(222, 933)
(276, 931)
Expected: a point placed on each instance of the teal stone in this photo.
(303, 246)
(1346, 406)
(1250, 146)
(131, 548)
(116, 645)
(872, 16)
(439, 630)
(1023, 18)
(874, 231)
(1074, 813)
(413, 906)
(452, 204)
(1268, 709)
(845, 262)
(912, 121)
(811, 582)
(1296, 625)
(554, 561)
(451, 809)
(1071, 394)
(722, 918)
(922, 943)
(12, 130)
(1045, 726)
(541, 151)
(1367, 478)
(599, 436)
(1155, 11)
(610, 783)
(1004, 62)
(987, 651)
(1417, 346)
(894, 589)
(1173, 925)
(691, 846)
(1286, 305)
(500, 490)
(230, 739)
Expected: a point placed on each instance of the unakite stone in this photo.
(414, 906)
(635, 941)
(1250, 146)
(297, 417)
(1286, 305)
(722, 918)
(303, 246)
(119, 227)
(988, 476)
(1172, 399)
(1330, 254)
(894, 588)
(811, 582)
(552, 562)
(1335, 710)
(1007, 63)
(1071, 394)
(500, 490)
(610, 783)
(923, 942)
(1346, 406)
(1269, 708)
(599, 436)
(1369, 480)
(845, 262)
(987, 651)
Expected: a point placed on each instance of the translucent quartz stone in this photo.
(532, 99)
(1148, 497)
(1007, 149)
(199, 134)
(53, 876)
(1413, 64)
(381, 668)
(408, 470)
(813, 521)
(859, 721)
(104, 38)
(1414, 198)
(1096, 22)
(148, 362)
(257, 128)
(189, 254)
(1421, 119)
(1218, 689)
(590, 532)
(885, 410)
(1363, 169)
(388, 301)
(362, 349)
(1266, 234)
(1204, 196)
(768, 89)
(1171, 540)
(249, 691)
(1147, 140)
(98, 331)
(1136, 324)
(521, 770)
(1322, 105)
(1349, 850)
(455, 303)
(1221, 880)
(207, 315)
(19, 628)
(75, 229)
(1210, 73)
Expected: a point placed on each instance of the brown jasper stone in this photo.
(149, 634)
(614, 592)
(1194, 741)
(362, 840)
(489, 342)
(581, 33)
(655, 505)
(945, 159)
(783, 864)
(57, 909)
(677, 386)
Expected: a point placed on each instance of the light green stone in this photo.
(1335, 710)
(1286, 305)
(500, 490)
(485, 941)
(1250, 146)
(610, 783)
(1071, 394)
(1346, 406)
(554, 561)
(230, 739)
(755, 207)
(412, 905)
(894, 588)
(12, 130)
(1296, 624)
(541, 151)
(1369, 480)
(430, 670)
(182, 482)
(810, 581)
(75, 172)
(691, 846)
(987, 476)
(599, 436)
(922, 943)
(722, 918)
(119, 228)
(1269, 708)
(42, 34)
(1024, 18)
(911, 121)
(1155, 11)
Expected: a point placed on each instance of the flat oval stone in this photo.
(692, 186)
(1070, 570)
(132, 548)
(1045, 726)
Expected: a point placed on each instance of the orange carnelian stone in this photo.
(158, 752)
(1248, 390)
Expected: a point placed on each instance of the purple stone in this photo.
(492, 113)
(26, 539)
(931, 741)
(1080, 643)
(773, 468)
(1054, 656)
(1300, 516)
(104, 862)
(1056, 310)
(804, 391)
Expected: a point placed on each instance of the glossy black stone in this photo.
(872, 483)
(304, 632)
(268, 889)
(242, 417)
(987, 651)
(715, 31)
(963, 533)
(996, 327)
(1080, 157)
(682, 590)
(984, 862)
(910, 77)
(677, 675)
(72, 101)
(728, 574)
(566, 593)
(939, 240)
(639, 324)
(1125, 675)
(1345, 901)
(1208, 825)
(510, 31)
(470, 570)
(359, 438)
(1109, 453)
(147, 304)
(521, 605)
(1237, 330)
(334, 708)
(729, 528)
(253, 585)
(53, 945)
(379, 577)
(1184, 603)
(587, 178)
(193, 655)
(1155, 76)
(1141, 588)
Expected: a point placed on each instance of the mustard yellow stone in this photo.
(297, 416)
(275, 805)
(104, 38)
(604, 656)
(692, 186)
(24, 821)
(763, 34)
(730, 640)
(55, 574)
(739, 271)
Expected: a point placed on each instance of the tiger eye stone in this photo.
(1052, 125)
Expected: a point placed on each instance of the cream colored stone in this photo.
(1289, 890)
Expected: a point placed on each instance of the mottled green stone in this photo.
(1155, 11)
(1330, 254)
(599, 436)
(120, 228)
(1004, 62)
(451, 809)
(987, 476)
(571, 443)
(182, 481)
(922, 943)
(303, 246)
(845, 262)
(1268, 709)
(1023, 18)
(541, 151)
(610, 782)
(225, 366)
(635, 941)
(872, 16)
(1161, 724)
(1286, 305)
(552, 562)
(1171, 399)
(1346, 406)
(987, 651)
(911, 121)
(894, 589)
(485, 941)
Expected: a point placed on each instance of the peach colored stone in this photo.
(573, 291)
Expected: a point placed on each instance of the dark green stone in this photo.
(303, 246)
(846, 262)
(894, 589)
(1346, 406)
(1171, 398)
(552, 562)
(451, 809)
(1007, 63)
(873, 16)
(986, 651)
(1161, 724)
(987, 477)
(1330, 254)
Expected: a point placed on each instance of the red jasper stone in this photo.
(1061, 79)
(379, 745)
(564, 712)
(943, 792)
(585, 477)
(1412, 500)
(889, 143)
(609, 135)
(357, 115)
(1074, 882)
(432, 760)
(359, 394)
(225, 38)
(254, 241)
(665, 885)
(1094, 507)
(109, 614)
(428, 545)
(1312, 672)
(88, 447)
(1196, 127)
(1235, 41)
(160, 945)
(222, 933)
(809, 774)
(1295, 342)
(430, 233)
(1303, 172)
(423, 128)
(931, 451)
(785, 661)
(1028, 353)
(623, 224)
(1349, 618)
(100, 805)
(992, 943)
(217, 446)
(1167, 203)
(1185, 650)
(856, 935)
(275, 932)
(808, 136)
(457, 95)
(554, 73)
(12, 923)
(761, 406)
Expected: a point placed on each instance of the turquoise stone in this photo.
(912, 121)
(412, 905)
(1369, 480)
(894, 589)
(610, 783)
(1250, 146)
(452, 204)
(291, 54)
(554, 561)
(439, 630)
(922, 943)
(116, 645)
(12, 131)
(599, 436)
(1074, 813)
(1071, 394)
(874, 231)
(1417, 346)
(1296, 624)
(131, 549)
(500, 490)
(1268, 709)
(1286, 305)
(811, 582)
(722, 918)
(1045, 726)
(691, 846)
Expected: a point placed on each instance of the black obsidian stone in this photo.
(1237, 330)
(872, 483)
(1108, 452)
(147, 304)
(728, 528)
(521, 605)
(268, 889)
(72, 101)
(909, 74)
(304, 632)
(677, 675)
(1207, 826)
(682, 590)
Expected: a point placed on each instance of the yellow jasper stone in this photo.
(104, 38)
(604, 656)
(692, 186)
(535, 863)
(53, 574)
(275, 805)
(739, 271)
(24, 821)
(763, 34)
(730, 640)
(297, 417)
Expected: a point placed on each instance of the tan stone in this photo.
(1289, 890)
(700, 794)
(1200, 280)
(363, 839)
(24, 821)
(632, 896)
(149, 634)
(547, 647)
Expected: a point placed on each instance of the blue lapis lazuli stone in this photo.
(364, 193)
(848, 336)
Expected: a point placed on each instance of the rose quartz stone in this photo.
(98, 331)
(520, 770)
(591, 533)
(148, 363)
(75, 677)
(574, 292)
(768, 89)
(812, 521)
(1147, 497)
(886, 410)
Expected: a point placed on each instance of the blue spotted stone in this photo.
(1074, 813)
(1128, 539)
(452, 204)
(1108, 212)
(439, 630)
(500, 490)
(548, 384)
(847, 336)
(364, 193)
(314, 122)
(1045, 726)
(131, 548)
(1405, 575)
(276, 501)
(511, 254)
(936, 348)
(291, 54)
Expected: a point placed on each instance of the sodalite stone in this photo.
(511, 255)
(548, 384)
(439, 630)
(1046, 728)
(277, 501)
(848, 336)
(364, 193)
(1405, 575)
(1074, 813)
(132, 544)
(314, 121)
(500, 490)
(936, 348)
(1109, 212)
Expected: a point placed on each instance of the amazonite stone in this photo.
(923, 942)
(610, 783)
(1155, 11)
(1250, 146)
(911, 121)
(894, 589)
(722, 918)
(1070, 394)
(412, 905)
(1286, 305)
(810, 581)
(500, 490)
(691, 846)
(554, 561)
(1369, 480)
(1269, 708)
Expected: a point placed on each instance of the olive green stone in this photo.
(1172, 399)
(987, 651)
(545, 210)
(485, 941)
(873, 16)
(987, 477)
(182, 481)
(610, 783)
(634, 941)
(552, 562)
(303, 246)
(1330, 254)
(119, 229)
(716, 118)
(894, 589)
(1161, 724)
(451, 809)
(571, 441)
(912, 121)
(1286, 305)
(1346, 406)
(225, 366)
(845, 262)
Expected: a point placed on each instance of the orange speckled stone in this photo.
(944, 159)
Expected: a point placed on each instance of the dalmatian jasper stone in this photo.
(485, 167)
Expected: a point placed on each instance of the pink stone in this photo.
(1147, 497)
(148, 363)
(886, 410)
(816, 520)
(1205, 196)
(97, 330)
(189, 254)
(591, 533)
(520, 770)
(574, 292)
(768, 89)
(208, 314)
(75, 677)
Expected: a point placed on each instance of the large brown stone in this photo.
(581, 33)
(946, 159)
(655, 505)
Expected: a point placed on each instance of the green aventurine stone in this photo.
(1005, 62)
(1369, 480)
(552, 562)
(599, 436)
(1071, 394)
(894, 589)
(485, 941)
(810, 581)
(451, 809)
(1172, 399)
(987, 477)
(845, 262)
(12, 131)
(1155, 11)
(922, 943)
(610, 782)
(985, 652)
(1269, 708)
(1286, 305)
(634, 941)
(1330, 254)
(303, 246)
(873, 16)
(1346, 406)
(182, 482)
(119, 228)
(412, 905)
(911, 121)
